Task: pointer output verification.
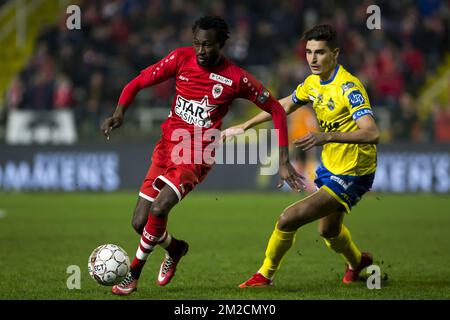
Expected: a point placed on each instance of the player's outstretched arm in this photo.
(126, 98)
(286, 102)
(367, 133)
(253, 90)
(154, 74)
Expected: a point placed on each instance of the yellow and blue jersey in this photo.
(347, 170)
(338, 103)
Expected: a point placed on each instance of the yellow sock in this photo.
(344, 245)
(279, 244)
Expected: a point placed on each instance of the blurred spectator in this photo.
(414, 62)
(239, 45)
(441, 122)
(389, 83)
(63, 93)
(262, 43)
(405, 122)
(428, 7)
(90, 114)
(120, 29)
(39, 95)
(15, 95)
(86, 69)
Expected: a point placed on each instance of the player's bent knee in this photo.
(159, 210)
(286, 222)
(294, 217)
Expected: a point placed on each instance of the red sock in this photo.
(153, 231)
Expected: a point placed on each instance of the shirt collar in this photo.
(336, 69)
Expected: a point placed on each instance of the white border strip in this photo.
(141, 255)
(170, 184)
(146, 245)
(146, 197)
(167, 241)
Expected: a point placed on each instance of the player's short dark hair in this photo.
(216, 23)
(322, 32)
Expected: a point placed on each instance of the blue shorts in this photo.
(348, 190)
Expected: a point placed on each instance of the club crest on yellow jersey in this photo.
(330, 104)
(346, 86)
(320, 98)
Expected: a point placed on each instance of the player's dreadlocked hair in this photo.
(322, 32)
(216, 23)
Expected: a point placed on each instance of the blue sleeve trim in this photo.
(295, 99)
(362, 112)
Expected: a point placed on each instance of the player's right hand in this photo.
(294, 179)
(111, 123)
(232, 131)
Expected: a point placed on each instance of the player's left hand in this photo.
(312, 139)
(294, 179)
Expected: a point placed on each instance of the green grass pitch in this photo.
(41, 234)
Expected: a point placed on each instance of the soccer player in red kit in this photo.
(206, 84)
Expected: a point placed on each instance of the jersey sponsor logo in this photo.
(341, 182)
(358, 114)
(346, 86)
(356, 98)
(194, 112)
(183, 78)
(221, 79)
(264, 96)
(329, 126)
(217, 90)
(149, 237)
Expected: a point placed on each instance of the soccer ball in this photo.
(108, 264)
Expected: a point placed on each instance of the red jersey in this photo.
(203, 95)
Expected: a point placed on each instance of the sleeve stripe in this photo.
(362, 112)
(297, 100)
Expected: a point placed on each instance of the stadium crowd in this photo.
(85, 70)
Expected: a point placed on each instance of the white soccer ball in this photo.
(108, 264)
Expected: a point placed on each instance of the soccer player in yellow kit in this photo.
(348, 135)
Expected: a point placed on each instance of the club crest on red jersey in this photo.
(217, 90)
(194, 112)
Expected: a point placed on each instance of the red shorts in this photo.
(182, 178)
